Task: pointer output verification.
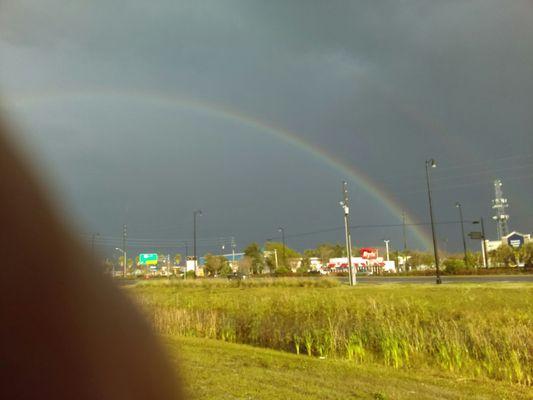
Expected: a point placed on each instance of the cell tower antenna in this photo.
(500, 205)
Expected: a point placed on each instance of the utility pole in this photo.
(282, 230)
(93, 238)
(432, 164)
(404, 243)
(460, 208)
(404, 234)
(125, 251)
(346, 208)
(195, 213)
(186, 258)
(484, 244)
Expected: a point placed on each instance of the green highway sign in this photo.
(475, 235)
(148, 259)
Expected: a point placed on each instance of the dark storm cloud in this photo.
(383, 85)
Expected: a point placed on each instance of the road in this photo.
(522, 278)
(445, 279)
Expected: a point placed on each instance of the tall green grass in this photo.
(472, 330)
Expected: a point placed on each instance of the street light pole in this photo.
(282, 230)
(405, 266)
(233, 245)
(387, 248)
(432, 164)
(475, 235)
(195, 213)
(458, 205)
(123, 255)
(483, 243)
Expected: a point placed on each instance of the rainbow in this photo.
(227, 113)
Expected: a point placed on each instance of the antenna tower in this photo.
(500, 205)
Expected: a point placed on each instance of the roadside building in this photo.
(514, 239)
(374, 266)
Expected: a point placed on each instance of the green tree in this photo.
(325, 251)
(288, 253)
(310, 253)
(474, 259)
(161, 259)
(121, 262)
(270, 262)
(226, 267)
(453, 265)
(245, 265)
(215, 265)
(526, 254)
(305, 265)
(177, 259)
(108, 266)
(503, 256)
(257, 259)
(419, 259)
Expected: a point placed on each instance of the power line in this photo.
(219, 239)
(482, 163)
(370, 226)
(439, 179)
(438, 188)
(419, 177)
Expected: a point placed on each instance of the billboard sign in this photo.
(515, 240)
(148, 259)
(475, 236)
(369, 253)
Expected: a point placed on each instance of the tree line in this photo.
(274, 257)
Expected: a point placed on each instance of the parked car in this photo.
(237, 276)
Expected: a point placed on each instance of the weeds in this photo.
(466, 329)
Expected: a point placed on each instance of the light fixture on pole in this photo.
(432, 164)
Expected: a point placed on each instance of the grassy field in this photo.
(215, 370)
(469, 331)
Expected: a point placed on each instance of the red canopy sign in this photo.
(369, 253)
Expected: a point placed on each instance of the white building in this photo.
(362, 265)
(514, 239)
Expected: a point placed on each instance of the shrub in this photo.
(453, 265)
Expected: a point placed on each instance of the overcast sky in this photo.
(140, 113)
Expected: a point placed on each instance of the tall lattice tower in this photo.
(500, 205)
